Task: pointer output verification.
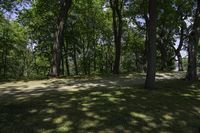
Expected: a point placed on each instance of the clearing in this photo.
(100, 104)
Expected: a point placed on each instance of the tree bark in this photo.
(1, 65)
(192, 47)
(59, 36)
(74, 58)
(180, 62)
(62, 62)
(117, 6)
(66, 58)
(163, 53)
(94, 58)
(151, 58)
(5, 62)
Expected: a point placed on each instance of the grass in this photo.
(100, 105)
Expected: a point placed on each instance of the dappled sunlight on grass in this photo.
(173, 108)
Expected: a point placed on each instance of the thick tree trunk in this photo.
(192, 59)
(59, 36)
(192, 48)
(151, 58)
(117, 7)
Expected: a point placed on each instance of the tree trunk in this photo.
(94, 58)
(178, 51)
(137, 64)
(151, 58)
(180, 62)
(1, 65)
(74, 58)
(66, 58)
(163, 52)
(5, 62)
(67, 66)
(192, 48)
(117, 6)
(62, 62)
(59, 36)
(84, 66)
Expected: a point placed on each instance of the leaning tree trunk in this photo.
(151, 58)
(117, 6)
(192, 48)
(59, 36)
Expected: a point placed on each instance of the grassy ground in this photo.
(107, 105)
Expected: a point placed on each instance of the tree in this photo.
(193, 44)
(13, 49)
(151, 48)
(117, 9)
(59, 36)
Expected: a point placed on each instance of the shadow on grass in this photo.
(173, 108)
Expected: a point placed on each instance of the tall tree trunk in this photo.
(59, 36)
(62, 62)
(74, 58)
(163, 53)
(1, 66)
(151, 58)
(66, 58)
(84, 61)
(180, 62)
(94, 58)
(137, 63)
(192, 48)
(5, 62)
(117, 7)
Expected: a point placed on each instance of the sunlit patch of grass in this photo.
(141, 116)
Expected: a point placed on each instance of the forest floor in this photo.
(109, 104)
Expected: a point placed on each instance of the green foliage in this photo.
(14, 50)
(89, 41)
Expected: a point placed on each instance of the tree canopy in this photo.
(81, 37)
